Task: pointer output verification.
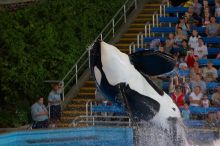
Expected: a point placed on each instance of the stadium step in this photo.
(77, 105)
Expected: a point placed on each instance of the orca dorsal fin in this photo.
(152, 62)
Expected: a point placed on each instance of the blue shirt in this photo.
(54, 97)
(35, 109)
(185, 114)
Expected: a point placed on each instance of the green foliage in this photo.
(42, 42)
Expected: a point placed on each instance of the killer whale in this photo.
(117, 73)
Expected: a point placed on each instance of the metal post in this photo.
(135, 4)
(142, 40)
(138, 41)
(89, 56)
(160, 10)
(129, 122)
(153, 20)
(145, 30)
(133, 48)
(125, 14)
(101, 36)
(164, 8)
(149, 30)
(91, 108)
(76, 73)
(49, 111)
(157, 20)
(62, 82)
(130, 48)
(93, 121)
(113, 27)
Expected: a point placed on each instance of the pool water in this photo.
(90, 136)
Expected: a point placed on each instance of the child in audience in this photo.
(186, 112)
(193, 40)
(205, 101)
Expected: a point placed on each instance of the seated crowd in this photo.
(189, 86)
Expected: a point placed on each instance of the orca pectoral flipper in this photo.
(152, 62)
(140, 106)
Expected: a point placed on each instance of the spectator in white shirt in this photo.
(201, 51)
(193, 40)
(196, 96)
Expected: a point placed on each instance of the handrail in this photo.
(108, 33)
(98, 119)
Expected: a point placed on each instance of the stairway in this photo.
(77, 106)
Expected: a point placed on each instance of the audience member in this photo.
(216, 97)
(205, 101)
(201, 51)
(212, 29)
(169, 43)
(210, 73)
(197, 7)
(217, 8)
(182, 24)
(193, 40)
(195, 70)
(193, 18)
(186, 112)
(190, 58)
(198, 82)
(195, 96)
(39, 114)
(54, 100)
(183, 49)
(178, 96)
(179, 37)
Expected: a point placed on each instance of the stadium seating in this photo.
(168, 19)
(163, 29)
(149, 39)
(212, 40)
(176, 9)
(213, 51)
(203, 62)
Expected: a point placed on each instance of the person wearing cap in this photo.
(39, 114)
(210, 73)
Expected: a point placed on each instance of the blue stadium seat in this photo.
(184, 72)
(149, 39)
(109, 109)
(139, 49)
(176, 9)
(203, 62)
(194, 123)
(209, 40)
(218, 19)
(200, 29)
(213, 51)
(168, 19)
(218, 73)
(163, 29)
(212, 85)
